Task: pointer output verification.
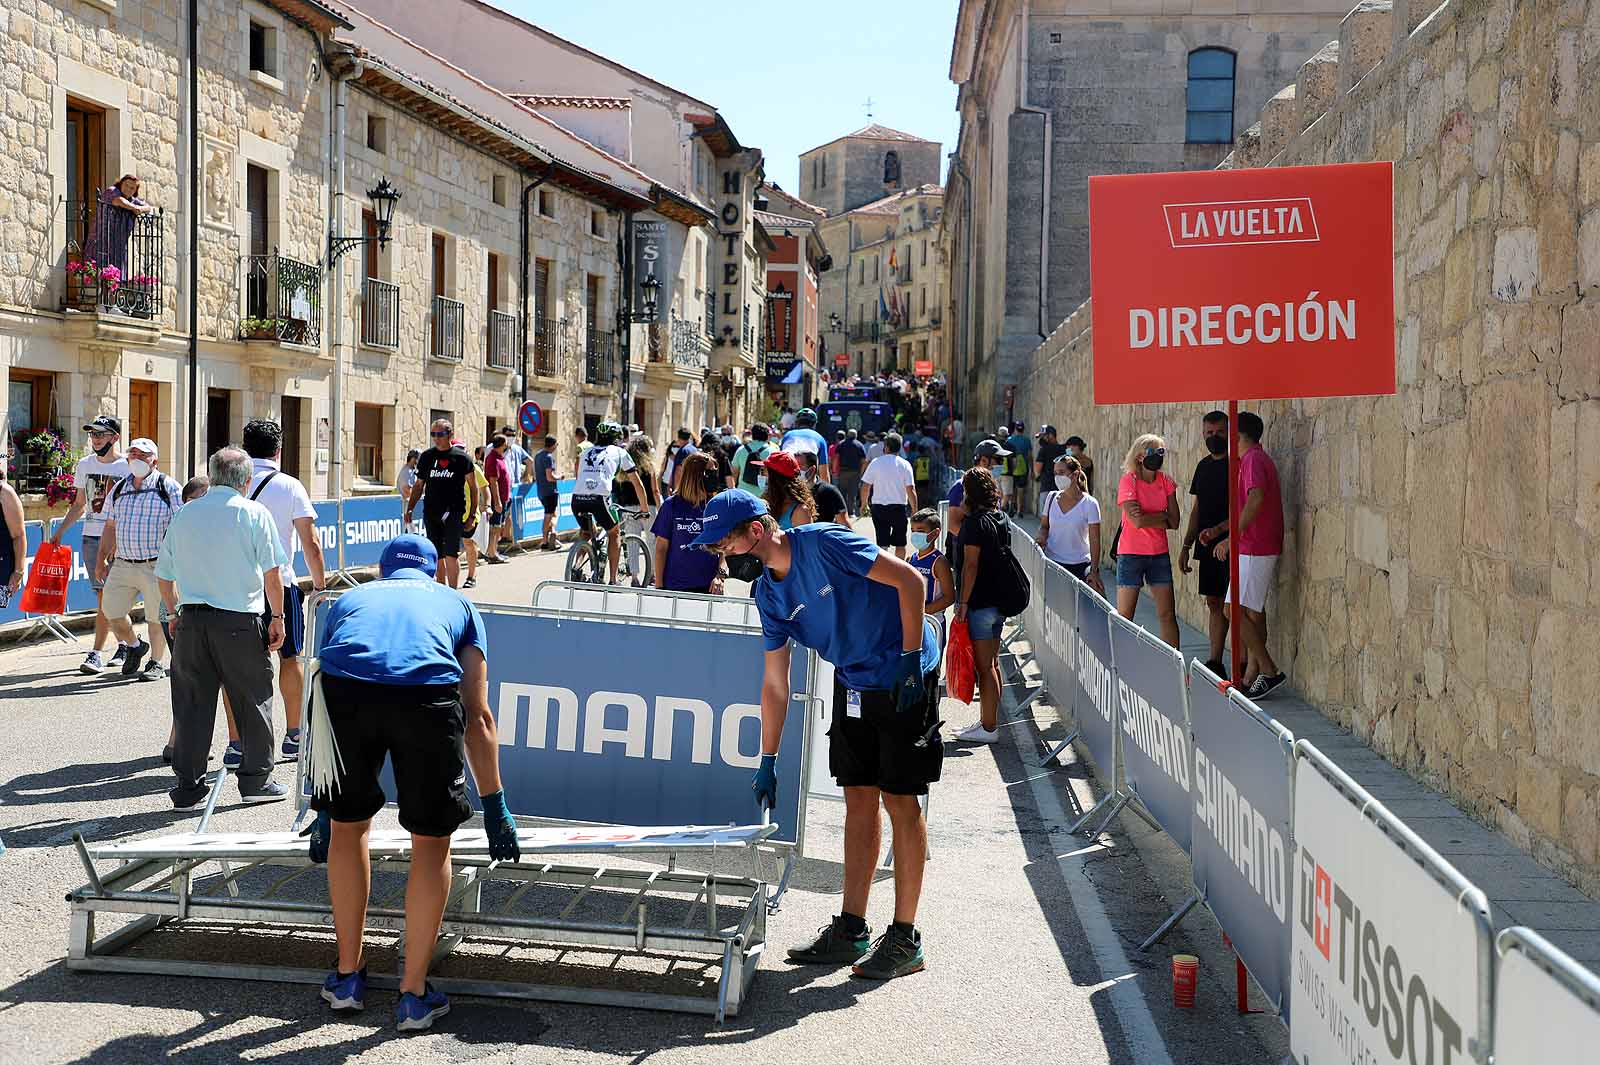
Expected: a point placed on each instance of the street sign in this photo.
(923, 367)
(841, 358)
(1272, 283)
(530, 417)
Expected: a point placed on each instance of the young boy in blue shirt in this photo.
(861, 609)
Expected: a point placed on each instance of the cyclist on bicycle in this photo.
(591, 495)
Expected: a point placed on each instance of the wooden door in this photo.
(289, 415)
(142, 417)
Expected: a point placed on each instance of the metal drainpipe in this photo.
(523, 251)
(625, 309)
(1049, 151)
(336, 131)
(194, 231)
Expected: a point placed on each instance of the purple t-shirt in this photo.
(689, 568)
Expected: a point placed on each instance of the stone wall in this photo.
(1441, 576)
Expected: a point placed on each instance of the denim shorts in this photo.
(985, 623)
(1134, 571)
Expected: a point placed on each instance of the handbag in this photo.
(46, 589)
(960, 669)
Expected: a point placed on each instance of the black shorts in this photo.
(878, 749)
(294, 620)
(1213, 574)
(597, 508)
(551, 503)
(445, 535)
(889, 523)
(421, 730)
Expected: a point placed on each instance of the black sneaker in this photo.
(834, 945)
(470, 582)
(136, 653)
(1265, 685)
(1215, 665)
(898, 953)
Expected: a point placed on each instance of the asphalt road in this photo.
(1030, 933)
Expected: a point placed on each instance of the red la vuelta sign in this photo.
(1243, 284)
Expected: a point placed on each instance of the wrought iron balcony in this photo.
(114, 260)
(448, 316)
(380, 313)
(597, 356)
(688, 348)
(502, 340)
(282, 300)
(547, 336)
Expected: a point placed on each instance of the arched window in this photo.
(1210, 107)
(891, 168)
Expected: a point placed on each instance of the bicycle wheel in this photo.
(580, 567)
(636, 569)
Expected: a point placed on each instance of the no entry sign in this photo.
(1249, 284)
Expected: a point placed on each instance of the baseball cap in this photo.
(783, 463)
(145, 444)
(726, 510)
(1047, 430)
(408, 551)
(990, 449)
(104, 424)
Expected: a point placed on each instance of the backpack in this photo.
(161, 487)
(749, 474)
(921, 466)
(1012, 588)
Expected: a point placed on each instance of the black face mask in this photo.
(104, 451)
(746, 567)
(1153, 462)
(1217, 445)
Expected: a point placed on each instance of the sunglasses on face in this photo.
(438, 435)
(1155, 451)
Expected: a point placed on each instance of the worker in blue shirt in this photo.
(860, 608)
(404, 675)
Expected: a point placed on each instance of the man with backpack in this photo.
(748, 458)
(138, 511)
(1018, 465)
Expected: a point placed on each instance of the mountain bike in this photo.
(587, 560)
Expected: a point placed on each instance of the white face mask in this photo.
(139, 467)
(1065, 480)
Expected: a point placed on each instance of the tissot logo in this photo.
(1291, 220)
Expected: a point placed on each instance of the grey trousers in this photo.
(850, 487)
(212, 650)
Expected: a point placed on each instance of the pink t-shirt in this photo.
(1152, 498)
(1265, 534)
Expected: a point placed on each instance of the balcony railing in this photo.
(282, 300)
(688, 348)
(597, 356)
(866, 331)
(380, 313)
(502, 340)
(711, 315)
(447, 328)
(547, 343)
(115, 260)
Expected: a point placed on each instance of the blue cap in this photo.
(408, 551)
(725, 511)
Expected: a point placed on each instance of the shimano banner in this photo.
(1154, 719)
(1243, 855)
(1096, 697)
(667, 733)
(1546, 1006)
(1053, 628)
(528, 512)
(1389, 941)
(369, 523)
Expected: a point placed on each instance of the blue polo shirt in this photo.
(826, 602)
(403, 629)
(806, 440)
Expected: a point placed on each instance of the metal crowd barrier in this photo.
(1369, 944)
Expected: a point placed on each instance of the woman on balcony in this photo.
(120, 209)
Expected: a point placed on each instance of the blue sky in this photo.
(819, 59)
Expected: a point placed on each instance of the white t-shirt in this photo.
(890, 476)
(874, 451)
(96, 479)
(598, 467)
(1068, 539)
(285, 499)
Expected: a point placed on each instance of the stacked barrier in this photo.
(1369, 944)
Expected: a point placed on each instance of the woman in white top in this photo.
(1069, 527)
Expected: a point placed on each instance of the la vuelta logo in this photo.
(1291, 220)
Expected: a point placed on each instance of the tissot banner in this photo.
(1261, 283)
(1385, 959)
(1155, 728)
(1243, 854)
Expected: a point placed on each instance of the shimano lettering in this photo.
(547, 717)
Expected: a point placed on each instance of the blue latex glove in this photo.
(909, 692)
(321, 831)
(502, 830)
(766, 783)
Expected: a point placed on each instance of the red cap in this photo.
(783, 464)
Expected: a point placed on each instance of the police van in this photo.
(862, 416)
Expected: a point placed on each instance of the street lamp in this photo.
(383, 196)
(650, 296)
(834, 324)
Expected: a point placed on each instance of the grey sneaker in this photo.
(833, 946)
(271, 791)
(153, 671)
(897, 953)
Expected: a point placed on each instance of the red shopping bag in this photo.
(960, 672)
(46, 590)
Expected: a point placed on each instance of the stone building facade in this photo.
(1441, 574)
(101, 93)
(1052, 91)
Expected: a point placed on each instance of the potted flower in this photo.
(83, 284)
(260, 328)
(46, 464)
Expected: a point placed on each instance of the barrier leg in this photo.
(1117, 804)
(775, 900)
(49, 625)
(1171, 922)
(1055, 751)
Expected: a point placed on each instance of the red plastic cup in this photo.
(1185, 973)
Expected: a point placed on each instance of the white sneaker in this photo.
(978, 734)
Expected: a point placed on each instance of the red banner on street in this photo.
(1243, 284)
(923, 367)
(841, 358)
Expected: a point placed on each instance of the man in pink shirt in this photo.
(499, 475)
(1260, 544)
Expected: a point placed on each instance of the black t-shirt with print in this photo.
(444, 478)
